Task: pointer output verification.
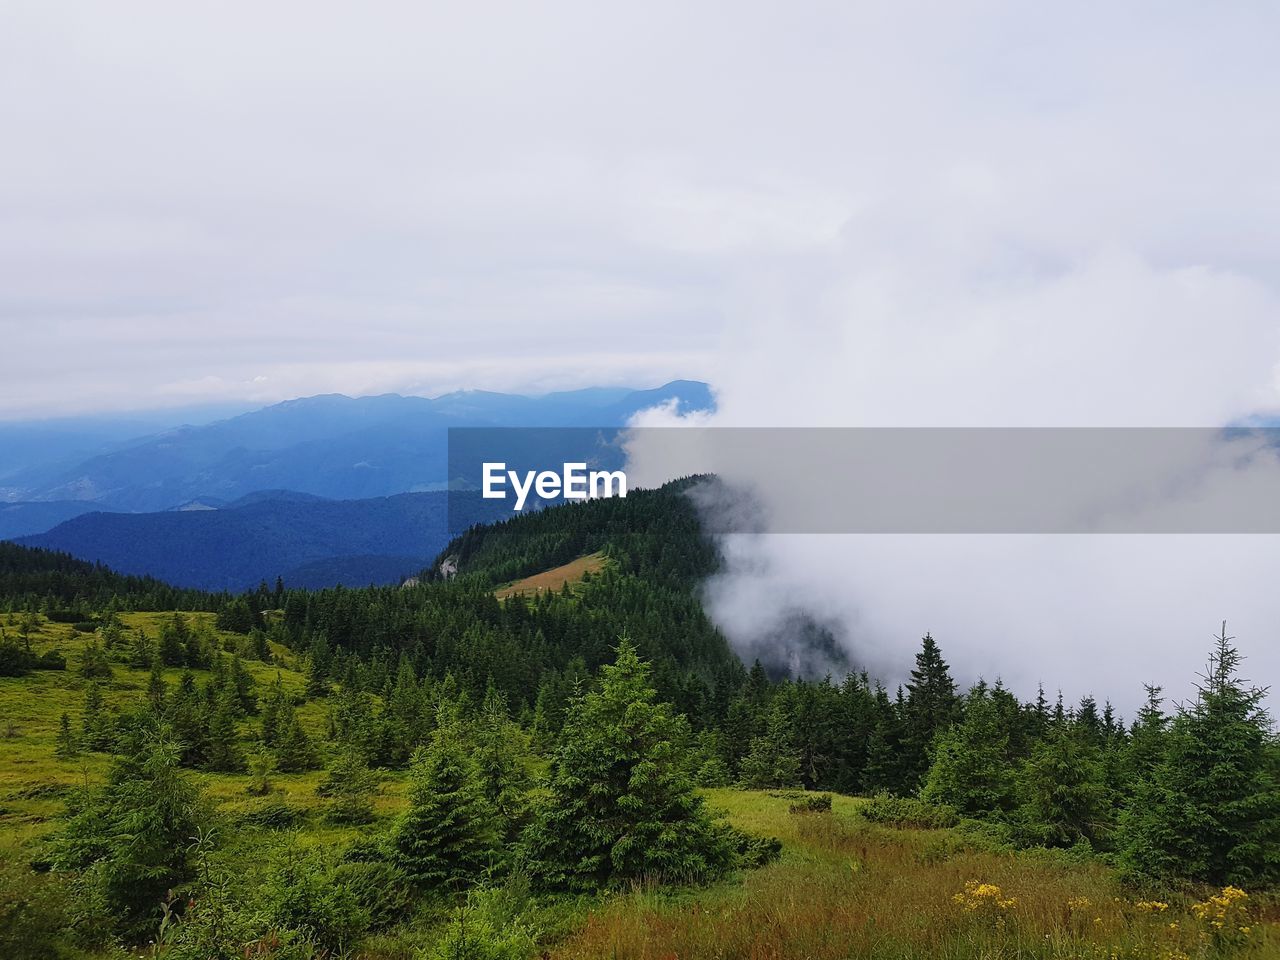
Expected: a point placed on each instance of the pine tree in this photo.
(1211, 809)
(96, 726)
(134, 832)
(772, 760)
(224, 751)
(503, 760)
(350, 787)
(94, 664)
(971, 768)
(1064, 797)
(67, 748)
(1147, 739)
(261, 765)
(930, 707)
(317, 680)
(621, 804)
(156, 688)
(448, 834)
(294, 752)
(141, 651)
(884, 772)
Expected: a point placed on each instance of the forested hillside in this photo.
(433, 771)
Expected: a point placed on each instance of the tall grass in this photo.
(847, 888)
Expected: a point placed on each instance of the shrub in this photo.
(302, 894)
(381, 889)
(489, 927)
(271, 813)
(907, 812)
(34, 913)
(812, 803)
(753, 850)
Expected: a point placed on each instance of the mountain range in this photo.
(319, 491)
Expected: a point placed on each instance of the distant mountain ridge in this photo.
(306, 542)
(330, 446)
(320, 491)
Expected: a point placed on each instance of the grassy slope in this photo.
(556, 577)
(844, 887)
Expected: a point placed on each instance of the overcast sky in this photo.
(225, 201)
(843, 213)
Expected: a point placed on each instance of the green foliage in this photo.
(261, 766)
(931, 707)
(350, 786)
(449, 834)
(35, 913)
(972, 770)
(489, 926)
(622, 805)
(908, 812)
(504, 762)
(1210, 810)
(271, 813)
(1064, 798)
(94, 664)
(294, 751)
(134, 831)
(380, 889)
(303, 893)
(772, 761)
(66, 747)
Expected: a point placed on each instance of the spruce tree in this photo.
(156, 688)
(294, 752)
(131, 836)
(930, 707)
(96, 727)
(94, 664)
(1211, 810)
(971, 768)
(224, 751)
(350, 787)
(772, 760)
(449, 834)
(622, 805)
(884, 771)
(503, 759)
(1064, 797)
(66, 747)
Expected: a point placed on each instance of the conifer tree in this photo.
(772, 760)
(448, 834)
(1063, 792)
(95, 730)
(131, 835)
(884, 771)
(294, 752)
(502, 755)
(350, 787)
(66, 747)
(224, 751)
(1147, 739)
(141, 651)
(261, 765)
(971, 768)
(156, 688)
(622, 805)
(930, 706)
(94, 664)
(1211, 809)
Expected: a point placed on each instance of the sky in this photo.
(976, 213)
